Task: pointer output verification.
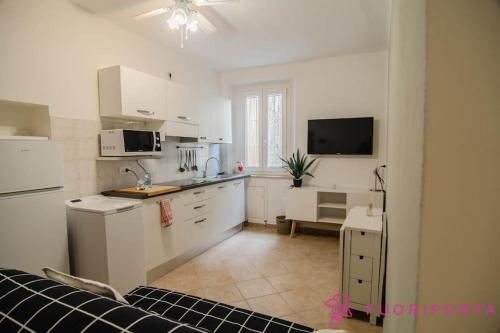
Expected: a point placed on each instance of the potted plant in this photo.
(297, 166)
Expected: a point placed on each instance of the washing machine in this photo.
(106, 241)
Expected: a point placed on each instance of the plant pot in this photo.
(284, 225)
(297, 182)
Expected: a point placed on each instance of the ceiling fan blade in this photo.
(212, 2)
(204, 23)
(151, 13)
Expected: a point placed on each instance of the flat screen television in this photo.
(342, 136)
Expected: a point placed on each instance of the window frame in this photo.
(263, 92)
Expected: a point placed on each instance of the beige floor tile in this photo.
(214, 278)
(299, 276)
(196, 292)
(255, 288)
(185, 268)
(240, 304)
(179, 282)
(243, 272)
(225, 293)
(299, 299)
(271, 268)
(315, 319)
(207, 265)
(294, 317)
(273, 305)
(285, 282)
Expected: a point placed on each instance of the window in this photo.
(252, 131)
(265, 127)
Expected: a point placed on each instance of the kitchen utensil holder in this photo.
(184, 147)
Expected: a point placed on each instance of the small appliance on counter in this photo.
(106, 241)
(123, 142)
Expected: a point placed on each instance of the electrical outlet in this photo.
(123, 170)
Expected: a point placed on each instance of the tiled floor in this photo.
(261, 270)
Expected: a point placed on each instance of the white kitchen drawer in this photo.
(199, 208)
(199, 229)
(361, 267)
(365, 243)
(360, 291)
(197, 195)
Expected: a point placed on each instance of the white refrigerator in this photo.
(33, 231)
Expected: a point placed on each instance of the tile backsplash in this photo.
(83, 175)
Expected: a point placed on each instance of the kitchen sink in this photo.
(211, 178)
(205, 179)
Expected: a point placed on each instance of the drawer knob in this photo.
(362, 233)
(361, 257)
(360, 281)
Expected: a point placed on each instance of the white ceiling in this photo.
(262, 32)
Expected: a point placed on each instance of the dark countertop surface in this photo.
(184, 184)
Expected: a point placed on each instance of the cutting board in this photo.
(154, 190)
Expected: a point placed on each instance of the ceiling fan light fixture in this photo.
(179, 17)
(193, 25)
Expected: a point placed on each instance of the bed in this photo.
(30, 303)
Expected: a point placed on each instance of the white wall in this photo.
(50, 53)
(460, 256)
(405, 157)
(346, 86)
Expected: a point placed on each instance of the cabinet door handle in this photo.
(146, 112)
(203, 137)
(199, 192)
(198, 207)
(236, 184)
(199, 221)
(360, 281)
(221, 139)
(221, 187)
(361, 257)
(183, 118)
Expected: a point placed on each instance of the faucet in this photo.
(206, 163)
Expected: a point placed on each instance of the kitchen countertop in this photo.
(184, 184)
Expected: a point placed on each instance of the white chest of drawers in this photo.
(362, 258)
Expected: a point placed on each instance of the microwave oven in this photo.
(124, 142)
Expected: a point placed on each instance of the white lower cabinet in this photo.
(163, 244)
(237, 207)
(200, 215)
(256, 204)
(199, 229)
(222, 202)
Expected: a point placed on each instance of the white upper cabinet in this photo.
(222, 129)
(127, 93)
(215, 121)
(182, 103)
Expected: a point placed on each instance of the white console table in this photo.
(326, 205)
(362, 259)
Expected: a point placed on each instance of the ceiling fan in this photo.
(185, 16)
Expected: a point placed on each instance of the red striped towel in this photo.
(166, 216)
